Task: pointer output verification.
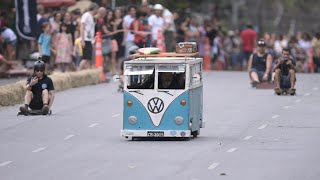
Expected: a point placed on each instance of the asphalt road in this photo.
(250, 134)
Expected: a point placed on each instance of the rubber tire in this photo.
(196, 133)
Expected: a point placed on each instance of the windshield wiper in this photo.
(137, 91)
(166, 92)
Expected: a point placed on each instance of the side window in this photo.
(192, 71)
(195, 69)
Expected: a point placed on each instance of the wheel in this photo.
(195, 133)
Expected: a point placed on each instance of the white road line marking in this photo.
(69, 137)
(232, 150)
(263, 126)
(298, 100)
(286, 107)
(247, 138)
(93, 125)
(5, 163)
(115, 115)
(315, 88)
(39, 149)
(213, 165)
(306, 94)
(275, 116)
(132, 166)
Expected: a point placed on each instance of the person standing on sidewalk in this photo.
(87, 35)
(248, 37)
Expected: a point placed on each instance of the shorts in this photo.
(87, 51)
(285, 82)
(36, 103)
(46, 59)
(260, 74)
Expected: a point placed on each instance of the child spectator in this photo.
(63, 46)
(44, 44)
(77, 50)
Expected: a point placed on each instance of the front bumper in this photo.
(146, 133)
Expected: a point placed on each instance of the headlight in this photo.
(129, 103)
(183, 102)
(133, 120)
(178, 120)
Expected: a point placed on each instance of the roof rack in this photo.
(170, 54)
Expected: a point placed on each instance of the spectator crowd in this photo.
(65, 40)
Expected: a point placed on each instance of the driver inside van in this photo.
(168, 81)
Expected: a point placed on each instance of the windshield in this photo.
(140, 77)
(171, 77)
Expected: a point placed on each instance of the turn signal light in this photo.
(129, 103)
(183, 102)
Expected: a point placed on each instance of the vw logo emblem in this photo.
(155, 105)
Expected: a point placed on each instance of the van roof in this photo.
(165, 58)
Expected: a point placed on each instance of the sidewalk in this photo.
(5, 81)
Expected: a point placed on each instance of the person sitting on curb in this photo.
(259, 65)
(40, 91)
(285, 72)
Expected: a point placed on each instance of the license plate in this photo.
(155, 134)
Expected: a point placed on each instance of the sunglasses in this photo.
(39, 70)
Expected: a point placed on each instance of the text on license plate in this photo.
(155, 134)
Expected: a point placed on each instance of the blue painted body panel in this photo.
(144, 120)
(191, 111)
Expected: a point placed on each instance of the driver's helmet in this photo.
(39, 65)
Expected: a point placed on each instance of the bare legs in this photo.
(28, 97)
(277, 77)
(84, 64)
(46, 98)
(292, 77)
(254, 77)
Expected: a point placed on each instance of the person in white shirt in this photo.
(10, 39)
(156, 22)
(87, 35)
(128, 39)
(169, 30)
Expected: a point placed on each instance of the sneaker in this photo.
(292, 91)
(254, 84)
(24, 110)
(278, 91)
(45, 109)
